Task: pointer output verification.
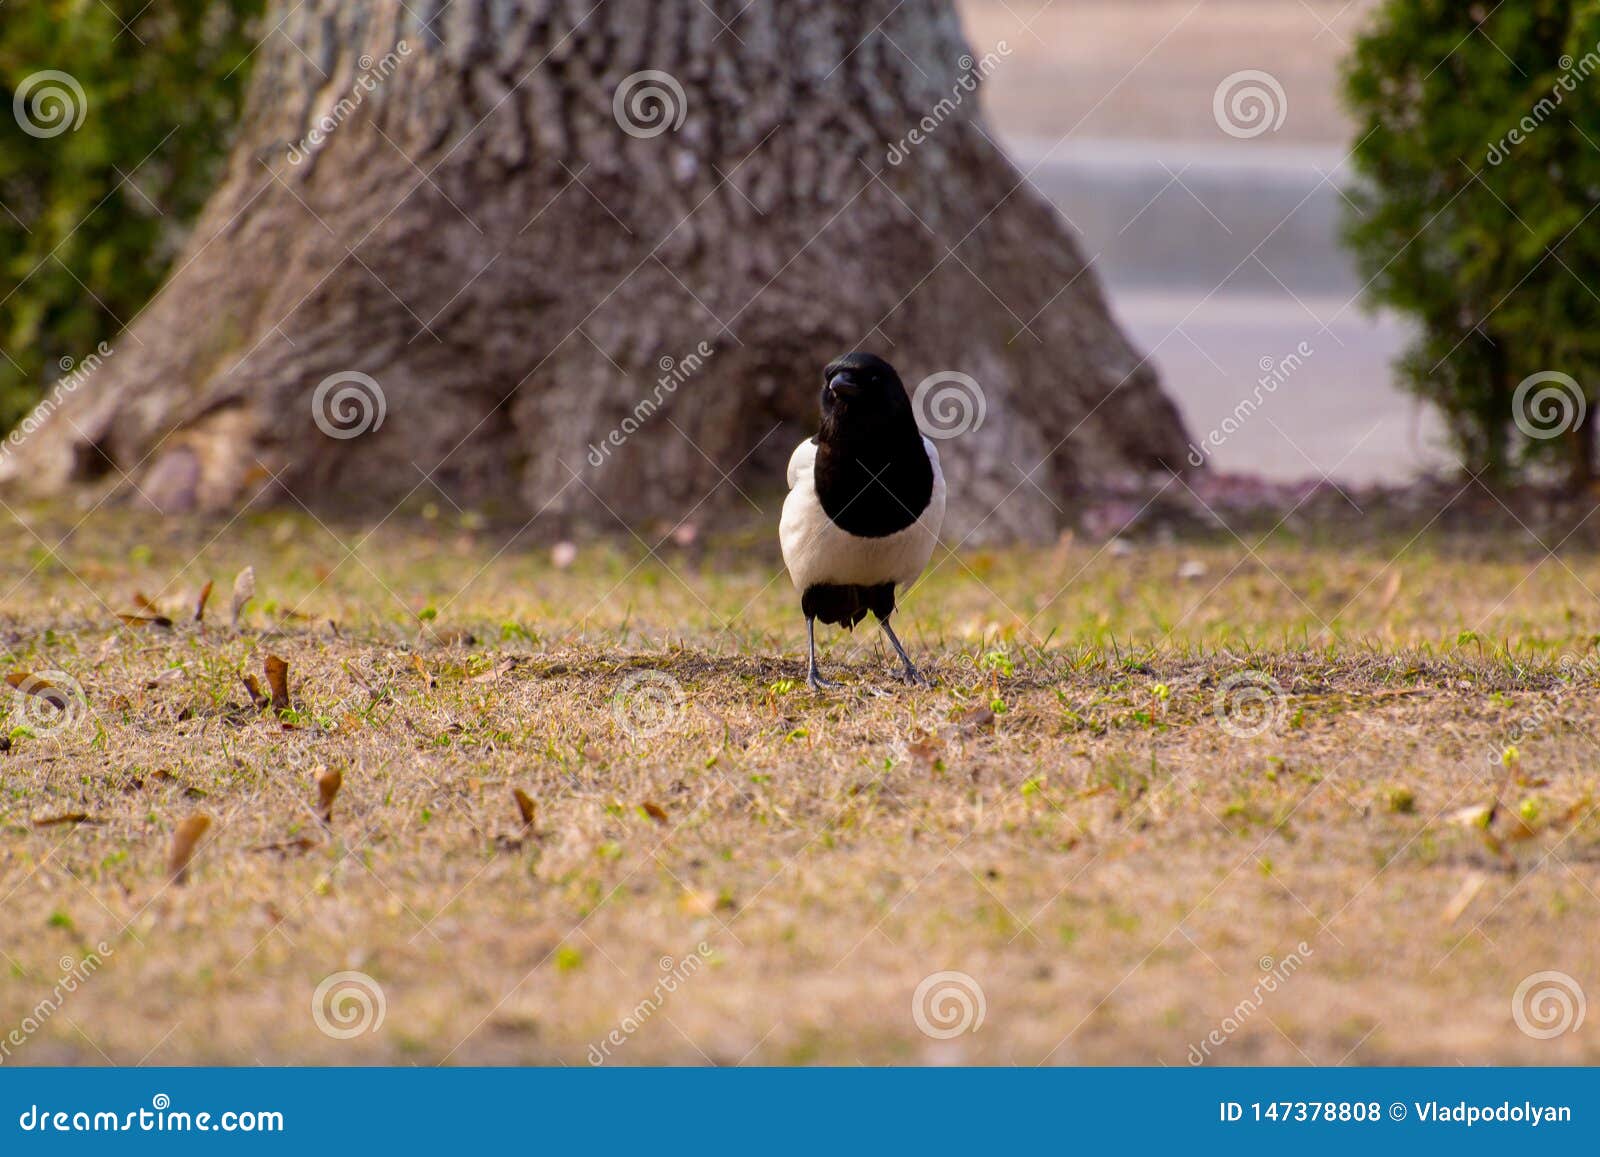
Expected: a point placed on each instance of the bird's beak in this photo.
(841, 386)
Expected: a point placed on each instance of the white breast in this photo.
(817, 551)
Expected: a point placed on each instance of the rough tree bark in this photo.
(476, 232)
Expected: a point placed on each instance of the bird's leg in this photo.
(815, 679)
(911, 674)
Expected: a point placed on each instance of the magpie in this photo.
(865, 504)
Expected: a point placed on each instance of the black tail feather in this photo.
(846, 606)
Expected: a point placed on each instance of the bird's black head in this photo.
(863, 391)
(872, 472)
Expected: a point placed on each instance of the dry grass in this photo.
(1102, 856)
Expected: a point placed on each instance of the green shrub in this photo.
(91, 216)
(1479, 152)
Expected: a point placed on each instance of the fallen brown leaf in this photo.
(329, 780)
(144, 620)
(277, 672)
(185, 840)
(1472, 816)
(503, 667)
(1518, 830)
(526, 808)
(360, 681)
(37, 685)
(1571, 815)
(66, 818)
(1470, 887)
(655, 811)
(284, 847)
(1390, 590)
(257, 699)
(698, 901)
(244, 589)
(200, 603)
(978, 719)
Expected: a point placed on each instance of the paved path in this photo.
(1223, 260)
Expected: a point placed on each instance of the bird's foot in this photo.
(912, 677)
(817, 682)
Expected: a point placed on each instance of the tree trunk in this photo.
(534, 254)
